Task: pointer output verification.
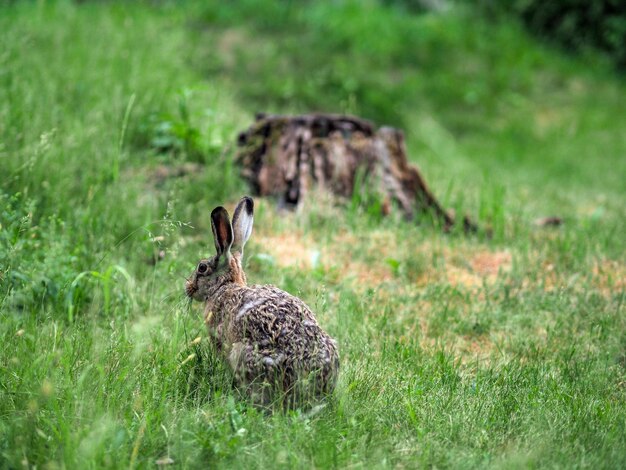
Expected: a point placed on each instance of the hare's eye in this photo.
(202, 268)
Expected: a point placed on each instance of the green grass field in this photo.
(456, 352)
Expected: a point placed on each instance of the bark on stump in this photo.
(285, 156)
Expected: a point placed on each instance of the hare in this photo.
(269, 338)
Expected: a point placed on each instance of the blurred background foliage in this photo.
(118, 123)
(576, 25)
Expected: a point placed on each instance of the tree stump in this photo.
(286, 156)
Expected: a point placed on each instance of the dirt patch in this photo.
(488, 264)
(367, 275)
(605, 277)
(609, 277)
(471, 272)
(461, 277)
(369, 260)
(298, 250)
(289, 249)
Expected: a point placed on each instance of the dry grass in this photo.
(359, 261)
(609, 277)
(292, 249)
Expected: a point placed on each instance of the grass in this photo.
(456, 352)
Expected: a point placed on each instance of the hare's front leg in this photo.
(250, 376)
(216, 332)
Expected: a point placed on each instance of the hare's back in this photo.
(269, 313)
(280, 333)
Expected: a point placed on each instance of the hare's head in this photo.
(226, 266)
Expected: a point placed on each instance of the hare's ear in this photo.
(222, 231)
(242, 224)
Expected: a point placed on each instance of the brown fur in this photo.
(239, 277)
(270, 339)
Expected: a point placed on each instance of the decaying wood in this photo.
(286, 156)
